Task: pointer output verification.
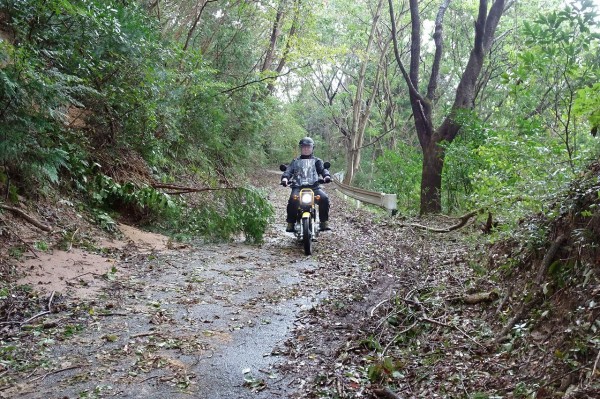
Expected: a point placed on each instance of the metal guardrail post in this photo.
(387, 201)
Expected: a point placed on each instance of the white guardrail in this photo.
(383, 200)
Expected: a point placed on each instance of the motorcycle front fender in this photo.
(305, 215)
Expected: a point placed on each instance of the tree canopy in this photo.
(450, 104)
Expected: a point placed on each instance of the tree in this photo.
(350, 87)
(555, 70)
(430, 137)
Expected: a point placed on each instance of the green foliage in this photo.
(555, 74)
(524, 170)
(587, 104)
(462, 161)
(384, 369)
(134, 90)
(225, 214)
(282, 135)
(399, 172)
(109, 194)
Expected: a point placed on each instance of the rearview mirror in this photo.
(327, 165)
(283, 167)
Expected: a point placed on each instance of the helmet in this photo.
(307, 141)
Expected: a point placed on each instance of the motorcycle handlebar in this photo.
(320, 181)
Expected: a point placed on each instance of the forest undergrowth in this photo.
(455, 315)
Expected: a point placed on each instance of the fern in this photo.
(49, 163)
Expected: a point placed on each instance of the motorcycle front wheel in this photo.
(306, 236)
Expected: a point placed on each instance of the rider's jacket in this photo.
(304, 171)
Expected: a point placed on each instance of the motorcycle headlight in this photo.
(306, 198)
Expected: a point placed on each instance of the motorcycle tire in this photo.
(306, 236)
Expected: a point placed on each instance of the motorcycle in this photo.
(306, 227)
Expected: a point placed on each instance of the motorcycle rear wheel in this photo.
(306, 236)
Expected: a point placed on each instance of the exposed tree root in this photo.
(462, 221)
(548, 258)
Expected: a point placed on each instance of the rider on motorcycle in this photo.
(305, 171)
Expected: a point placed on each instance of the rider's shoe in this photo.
(324, 226)
(289, 228)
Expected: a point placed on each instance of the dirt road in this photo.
(206, 321)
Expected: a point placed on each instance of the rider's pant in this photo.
(292, 207)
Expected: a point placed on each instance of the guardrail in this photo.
(387, 201)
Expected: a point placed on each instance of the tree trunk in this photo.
(422, 105)
(195, 23)
(288, 45)
(351, 157)
(431, 178)
(361, 108)
(275, 33)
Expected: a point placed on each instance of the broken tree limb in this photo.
(473, 299)
(42, 377)
(462, 221)
(25, 216)
(385, 393)
(440, 323)
(489, 223)
(186, 190)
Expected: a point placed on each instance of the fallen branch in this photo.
(378, 305)
(463, 220)
(24, 242)
(50, 301)
(392, 341)
(595, 367)
(186, 190)
(473, 299)
(432, 321)
(385, 393)
(439, 323)
(111, 314)
(25, 216)
(57, 371)
(147, 334)
(29, 320)
(505, 299)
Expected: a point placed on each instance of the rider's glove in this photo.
(284, 182)
(327, 179)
